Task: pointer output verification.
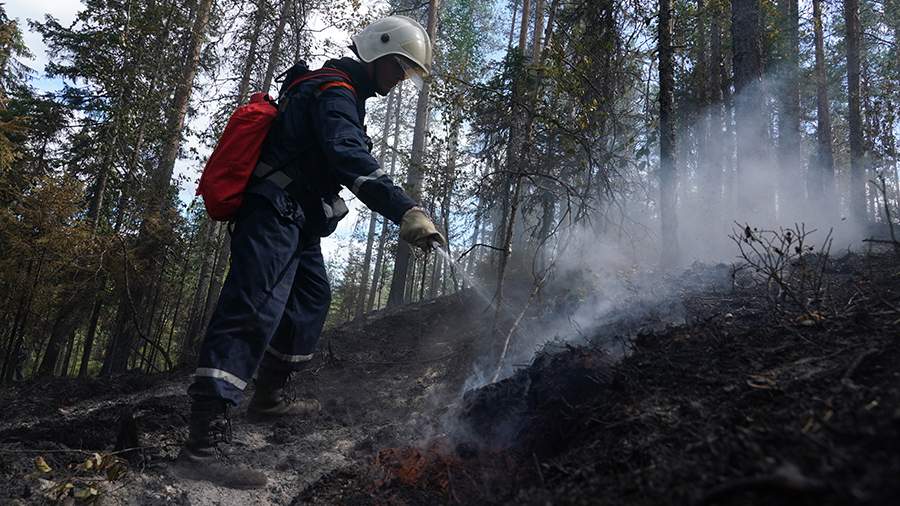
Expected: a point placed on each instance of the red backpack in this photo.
(232, 162)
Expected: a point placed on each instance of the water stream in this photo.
(477, 287)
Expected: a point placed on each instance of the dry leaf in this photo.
(84, 492)
(41, 465)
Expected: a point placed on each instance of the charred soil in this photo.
(735, 401)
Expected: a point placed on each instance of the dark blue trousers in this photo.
(273, 303)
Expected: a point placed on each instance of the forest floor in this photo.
(722, 398)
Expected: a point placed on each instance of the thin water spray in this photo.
(475, 285)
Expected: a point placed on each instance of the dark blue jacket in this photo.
(319, 140)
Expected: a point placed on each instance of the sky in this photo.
(66, 10)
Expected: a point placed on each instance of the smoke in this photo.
(608, 284)
(736, 172)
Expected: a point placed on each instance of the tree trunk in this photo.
(857, 193)
(754, 187)
(790, 192)
(668, 219)
(91, 334)
(415, 175)
(716, 117)
(63, 327)
(17, 333)
(276, 45)
(158, 290)
(373, 218)
(447, 200)
(13, 338)
(512, 23)
(472, 261)
(258, 18)
(517, 166)
(149, 248)
(821, 177)
(223, 248)
(192, 335)
(70, 347)
(704, 167)
(186, 264)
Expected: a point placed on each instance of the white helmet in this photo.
(398, 35)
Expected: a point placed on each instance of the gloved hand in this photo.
(417, 229)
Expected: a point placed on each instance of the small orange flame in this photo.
(428, 467)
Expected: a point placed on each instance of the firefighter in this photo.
(276, 296)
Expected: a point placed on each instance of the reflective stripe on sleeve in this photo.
(208, 372)
(289, 358)
(362, 179)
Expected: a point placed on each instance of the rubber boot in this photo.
(270, 402)
(203, 458)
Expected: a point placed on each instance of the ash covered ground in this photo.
(703, 392)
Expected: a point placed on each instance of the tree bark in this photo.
(276, 45)
(378, 274)
(821, 177)
(415, 175)
(754, 187)
(91, 334)
(716, 115)
(362, 300)
(192, 336)
(258, 18)
(223, 249)
(857, 193)
(668, 218)
(790, 192)
(450, 183)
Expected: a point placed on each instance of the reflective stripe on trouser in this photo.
(276, 297)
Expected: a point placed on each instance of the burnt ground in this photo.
(726, 396)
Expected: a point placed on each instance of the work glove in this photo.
(417, 229)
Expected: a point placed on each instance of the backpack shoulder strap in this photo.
(336, 84)
(327, 74)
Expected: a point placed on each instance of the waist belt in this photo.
(278, 177)
(332, 209)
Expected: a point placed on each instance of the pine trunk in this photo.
(790, 192)
(668, 218)
(363, 291)
(821, 177)
(715, 115)
(276, 45)
(91, 334)
(857, 193)
(754, 187)
(192, 336)
(223, 249)
(415, 175)
(149, 248)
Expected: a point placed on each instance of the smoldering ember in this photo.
(385, 252)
